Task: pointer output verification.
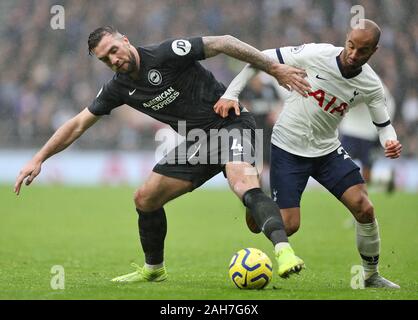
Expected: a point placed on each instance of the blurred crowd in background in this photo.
(47, 75)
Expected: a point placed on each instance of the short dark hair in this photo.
(371, 26)
(97, 35)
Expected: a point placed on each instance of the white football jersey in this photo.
(308, 126)
(358, 124)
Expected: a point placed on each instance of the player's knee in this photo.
(291, 220)
(243, 185)
(241, 178)
(144, 201)
(239, 188)
(368, 212)
(291, 225)
(365, 210)
(292, 228)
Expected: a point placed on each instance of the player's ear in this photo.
(347, 36)
(125, 39)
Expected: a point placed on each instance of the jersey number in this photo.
(236, 146)
(342, 151)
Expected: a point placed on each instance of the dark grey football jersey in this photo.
(172, 86)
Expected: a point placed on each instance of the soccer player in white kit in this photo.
(358, 135)
(305, 137)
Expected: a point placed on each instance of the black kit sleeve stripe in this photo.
(381, 125)
(279, 55)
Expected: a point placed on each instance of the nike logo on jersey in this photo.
(98, 94)
(132, 92)
(318, 77)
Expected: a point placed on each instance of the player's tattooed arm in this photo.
(234, 47)
(287, 76)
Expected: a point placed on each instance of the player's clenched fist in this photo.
(29, 171)
(393, 149)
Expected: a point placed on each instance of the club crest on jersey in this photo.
(154, 77)
(297, 49)
(355, 94)
(181, 47)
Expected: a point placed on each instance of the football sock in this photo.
(266, 214)
(154, 266)
(368, 245)
(280, 246)
(152, 232)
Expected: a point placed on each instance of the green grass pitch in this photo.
(92, 233)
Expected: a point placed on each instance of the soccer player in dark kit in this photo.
(166, 82)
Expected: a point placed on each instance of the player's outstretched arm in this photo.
(229, 99)
(61, 139)
(287, 76)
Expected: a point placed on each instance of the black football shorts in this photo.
(204, 154)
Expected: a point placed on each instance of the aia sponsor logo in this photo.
(331, 105)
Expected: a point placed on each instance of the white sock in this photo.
(154, 266)
(280, 246)
(368, 245)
